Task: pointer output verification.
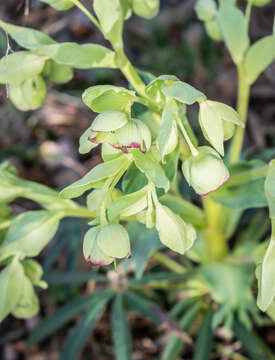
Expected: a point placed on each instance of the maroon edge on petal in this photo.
(95, 263)
(225, 181)
(132, 145)
(93, 140)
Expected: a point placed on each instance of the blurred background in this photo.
(43, 144)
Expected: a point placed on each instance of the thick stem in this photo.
(242, 107)
(134, 79)
(214, 235)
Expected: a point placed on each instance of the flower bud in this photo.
(103, 244)
(206, 171)
(135, 134)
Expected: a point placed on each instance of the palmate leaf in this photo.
(60, 317)
(120, 330)
(175, 345)
(204, 341)
(252, 343)
(77, 338)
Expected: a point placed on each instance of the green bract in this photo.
(29, 95)
(146, 8)
(212, 116)
(206, 171)
(107, 97)
(173, 231)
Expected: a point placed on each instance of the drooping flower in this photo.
(103, 244)
(206, 171)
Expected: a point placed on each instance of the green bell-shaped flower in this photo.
(206, 171)
(134, 135)
(103, 244)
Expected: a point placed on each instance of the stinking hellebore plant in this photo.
(145, 137)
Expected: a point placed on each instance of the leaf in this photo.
(28, 304)
(252, 343)
(73, 277)
(153, 89)
(77, 338)
(183, 92)
(120, 330)
(146, 8)
(158, 277)
(166, 130)
(28, 38)
(234, 29)
(211, 126)
(173, 231)
(188, 211)
(108, 97)
(204, 341)
(128, 205)
(59, 4)
(50, 324)
(98, 173)
(30, 232)
(85, 56)
(11, 284)
(175, 345)
(243, 196)
(259, 56)
(111, 18)
(133, 180)
(147, 164)
(20, 66)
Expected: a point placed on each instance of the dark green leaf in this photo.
(133, 180)
(72, 277)
(53, 322)
(252, 343)
(204, 341)
(77, 338)
(120, 330)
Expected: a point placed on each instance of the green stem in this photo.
(168, 263)
(213, 234)
(242, 107)
(87, 13)
(134, 79)
(192, 148)
(80, 213)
